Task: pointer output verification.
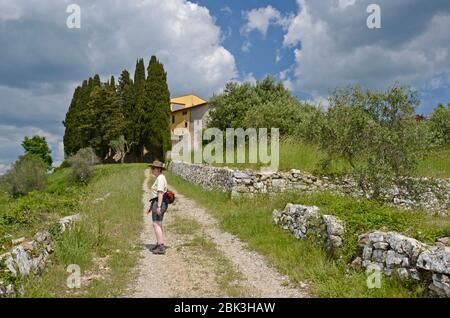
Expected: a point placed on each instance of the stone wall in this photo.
(407, 258)
(392, 253)
(208, 177)
(302, 220)
(29, 256)
(431, 195)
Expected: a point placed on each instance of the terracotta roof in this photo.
(186, 108)
(189, 100)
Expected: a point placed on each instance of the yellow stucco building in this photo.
(186, 110)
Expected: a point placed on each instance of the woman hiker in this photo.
(158, 206)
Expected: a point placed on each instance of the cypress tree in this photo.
(71, 142)
(139, 73)
(127, 103)
(89, 110)
(112, 83)
(139, 97)
(156, 115)
(111, 124)
(139, 110)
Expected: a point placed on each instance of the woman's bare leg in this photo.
(157, 226)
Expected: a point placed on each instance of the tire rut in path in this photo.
(174, 274)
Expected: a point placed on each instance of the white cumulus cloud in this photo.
(333, 47)
(42, 60)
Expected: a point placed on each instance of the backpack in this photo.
(169, 197)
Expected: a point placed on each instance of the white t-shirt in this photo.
(160, 184)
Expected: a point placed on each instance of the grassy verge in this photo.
(26, 215)
(304, 260)
(436, 165)
(105, 243)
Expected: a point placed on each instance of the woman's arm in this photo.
(160, 200)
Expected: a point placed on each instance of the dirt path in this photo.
(202, 260)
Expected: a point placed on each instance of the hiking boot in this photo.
(160, 249)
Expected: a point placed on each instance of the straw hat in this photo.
(157, 164)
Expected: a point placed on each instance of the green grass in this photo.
(226, 275)
(251, 221)
(26, 215)
(184, 226)
(108, 229)
(295, 154)
(436, 165)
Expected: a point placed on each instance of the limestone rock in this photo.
(376, 236)
(18, 241)
(37, 264)
(444, 240)
(279, 184)
(436, 260)
(29, 246)
(381, 245)
(334, 226)
(404, 244)
(440, 286)
(21, 259)
(367, 252)
(295, 173)
(402, 273)
(379, 256)
(9, 263)
(414, 273)
(240, 175)
(43, 237)
(356, 263)
(67, 221)
(394, 259)
(363, 240)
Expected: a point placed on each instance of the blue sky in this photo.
(311, 46)
(261, 58)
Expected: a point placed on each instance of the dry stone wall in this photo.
(407, 258)
(431, 195)
(392, 253)
(302, 220)
(28, 257)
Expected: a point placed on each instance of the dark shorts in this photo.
(154, 207)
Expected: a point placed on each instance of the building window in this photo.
(185, 124)
(173, 119)
(185, 113)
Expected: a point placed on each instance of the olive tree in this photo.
(440, 125)
(27, 174)
(376, 133)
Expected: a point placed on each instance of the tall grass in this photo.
(251, 221)
(110, 228)
(37, 210)
(297, 154)
(436, 164)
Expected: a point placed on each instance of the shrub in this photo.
(27, 174)
(267, 104)
(38, 206)
(38, 146)
(65, 164)
(440, 125)
(376, 133)
(82, 163)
